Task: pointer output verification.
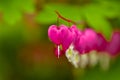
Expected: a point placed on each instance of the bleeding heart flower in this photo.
(101, 43)
(61, 36)
(114, 45)
(67, 37)
(91, 38)
(53, 34)
(86, 41)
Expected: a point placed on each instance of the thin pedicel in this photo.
(68, 20)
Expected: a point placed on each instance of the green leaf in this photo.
(110, 9)
(68, 11)
(11, 11)
(12, 16)
(27, 5)
(46, 17)
(97, 21)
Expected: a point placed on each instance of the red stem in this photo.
(68, 20)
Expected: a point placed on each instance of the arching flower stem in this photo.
(63, 18)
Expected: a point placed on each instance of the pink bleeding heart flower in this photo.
(101, 43)
(86, 42)
(76, 35)
(74, 29)
(61, 36)
(114, 45)
(53, 34)
(66, 37)
(91, 37)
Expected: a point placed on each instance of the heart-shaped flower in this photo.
(53, 34)
(101, 43)
(61, 36)
(86, 41)
(114, 45)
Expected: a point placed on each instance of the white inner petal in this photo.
(58, 50)
(104, 60)
(73, 56)
(93, 58)
(84, 60)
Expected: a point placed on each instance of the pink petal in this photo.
(114, 45)
(101, 43)
(53, 34)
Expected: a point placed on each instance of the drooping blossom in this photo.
(86, 42)
(74, 43)
(67, 39)
(113, 47)
(62, 36)
(53, 33)
(101, 43)
(80, 45)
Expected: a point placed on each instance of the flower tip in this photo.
(58, 52)
(58, 56)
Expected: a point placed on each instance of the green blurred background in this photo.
(26, 53)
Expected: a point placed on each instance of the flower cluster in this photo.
(73, 42)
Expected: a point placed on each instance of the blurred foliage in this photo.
(95, 14)
(25, 50)
(13, 10)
